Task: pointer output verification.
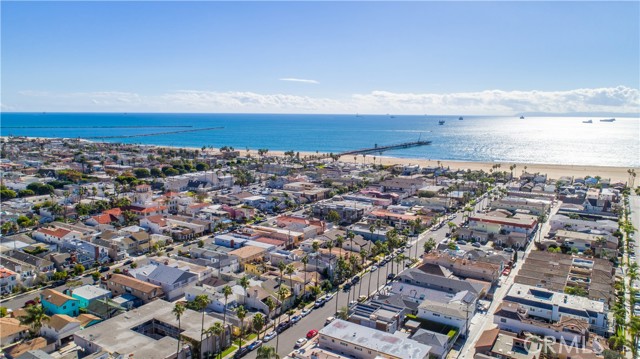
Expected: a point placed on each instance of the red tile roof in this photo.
(57, 232)
(4, 273)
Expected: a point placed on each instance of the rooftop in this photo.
(383, 342)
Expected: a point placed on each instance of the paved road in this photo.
(19, 301)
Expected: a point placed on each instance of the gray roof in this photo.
(163, 274)
(430, 338)
(427, 280)
(382, 342)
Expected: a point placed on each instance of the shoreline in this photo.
(553, 171)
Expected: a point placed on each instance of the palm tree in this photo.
(350, 237)
(226, 291)
(271, 304)
(305, 260)
(343, 313)
(267, 352)
(329, 245)
(244, 283)
(258, 323)
(316, 247)
(216, 330)
(178, 310)
(241, 313)
(289, 270)
(34, 317)
(201, 302)
(363, 256)
(283, 292)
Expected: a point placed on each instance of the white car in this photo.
(269, 336)
(300, 342)
(374, 268)
(305, 312)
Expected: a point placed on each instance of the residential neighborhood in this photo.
(139, 251)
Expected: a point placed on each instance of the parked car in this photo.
(241, 353)
(461, 242)
(295, 319)
(305, 312)
(476, 244)
(346, 286)
(508, 250)
(269, 336)
(255, 345)
(353, 302)
(283, 326)
(104, 269)
(329, 320)
(319, 303)
(391, 276)
(355, 279)
(128, 262)
(312, 333)
(362, 298)
(300, 342)
(374, 268)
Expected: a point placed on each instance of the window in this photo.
(64, 307)
(357, 348)
(435, 314)
(343, 343)
(503, 320)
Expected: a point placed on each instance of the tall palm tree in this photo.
(35, 315)
(241, 313)
(267, 352)
(258, 323)
(363, 257)
(271, 304)
(216, 330)
(244, 283)
(289, 270)
(350, 237)
(305, 260)
(283, 292)
(201, 302)
(178, 310)
(315, 248)
(329, 245)
(226, 291)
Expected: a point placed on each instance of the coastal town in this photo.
(112, 250)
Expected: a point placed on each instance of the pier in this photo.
(380, 149)
(153, 134)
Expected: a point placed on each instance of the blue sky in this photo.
(410, 57)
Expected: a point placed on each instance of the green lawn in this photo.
(251, 336)
(229, 350)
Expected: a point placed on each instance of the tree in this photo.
(429, 245)
(78, 269)
(304, 261)
(216, 329)
(141, 173)
(315, 247)
(244, 283)
(201, 302)
(3, 312)
(258, 323)
(60, 275)
(226, 291)
(7, 194)
(333, 216)
(178, 310)
(33, 318)
(241, 313)
(283, 292)
(289, 270)
(96, 276)
(267, 352)
(343, 313)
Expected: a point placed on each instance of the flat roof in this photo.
(383, 342)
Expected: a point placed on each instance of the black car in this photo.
(104, 269)
(391, 276)
(128, 262)
(283, 326)
(347, 286)
(355, 280)
(241, 352)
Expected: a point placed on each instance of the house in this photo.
(146, 292)
(515, 318)
(349, 211)
(172, 280)
(248, 254)
(12, 331)
(449, 309)
(494, 343)
(155, 224)
(440, 344)
(583, 241)
(55, 235)
(87, 294)
(55, 302)
(493, 224)
(387, 318)
(551, 306)
(151, 331)
(465, 267)
(8, 280)
(59, 328)
(356, 341)
(559, 221)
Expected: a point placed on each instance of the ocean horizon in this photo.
(545, 140)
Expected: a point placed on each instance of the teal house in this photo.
(55, 302)
(88, 294)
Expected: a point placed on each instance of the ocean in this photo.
(546, 140)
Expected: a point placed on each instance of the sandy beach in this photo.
(615, 174)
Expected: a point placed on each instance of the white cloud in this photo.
(490, 102)
(293, 79)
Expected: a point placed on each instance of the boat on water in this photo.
(441, 122)
(608, 120)
(460, 118)
(588, 121)
(522, 117)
